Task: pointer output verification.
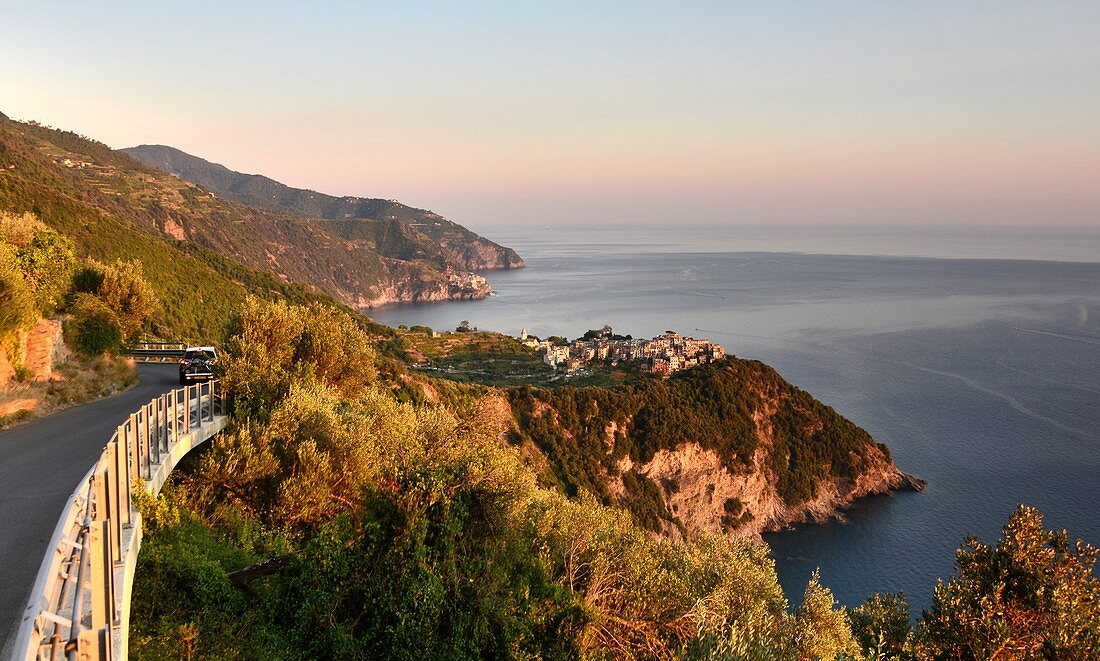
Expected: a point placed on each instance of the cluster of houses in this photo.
(70, 163)
(467, 284)
(664, 354)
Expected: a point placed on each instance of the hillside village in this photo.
(667, 353)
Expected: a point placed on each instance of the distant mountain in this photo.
(397, 230)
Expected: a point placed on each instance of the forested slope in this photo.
(113, 206)
(729, 446)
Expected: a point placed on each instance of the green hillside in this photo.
(112, 209)
(395, 229)
(332, 521)
(113, 206)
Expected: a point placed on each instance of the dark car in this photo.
(197, 364)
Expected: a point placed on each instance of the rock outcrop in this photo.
(703, 485)
(44, 349)
(729, 447)
(38, 351)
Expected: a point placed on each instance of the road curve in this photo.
(41, 463)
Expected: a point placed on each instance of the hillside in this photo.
(112, 206)
(397, 230)
(728, 447)
(333, 521)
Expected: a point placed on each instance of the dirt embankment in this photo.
(30, 358)
(39, 375)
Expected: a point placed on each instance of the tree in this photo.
(463, 326)
(1032, 596)
(96, 327)
(125, 291)
(87, 279)
(16, 301)
(274, 344)
(881, 627)
(44, 257)
(819, 629)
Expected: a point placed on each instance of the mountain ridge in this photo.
(398, 230)
(113, 206)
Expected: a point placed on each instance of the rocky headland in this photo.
(728, 447)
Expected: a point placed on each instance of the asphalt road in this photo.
(41, 463)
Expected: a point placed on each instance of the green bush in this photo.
(17, 307)
(44, 257)
(645, 500)
(96, 327)
(125, 291)
(1033, 595)
(272, 345)
(881, 627)
(88, 279)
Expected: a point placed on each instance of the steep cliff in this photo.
(728, 447)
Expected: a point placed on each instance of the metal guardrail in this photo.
(156, 352)
(80, 605)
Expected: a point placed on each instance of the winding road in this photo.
(41, 463)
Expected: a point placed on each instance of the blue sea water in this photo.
(978, 363)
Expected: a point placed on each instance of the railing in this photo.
(80, 605)
(156, 352)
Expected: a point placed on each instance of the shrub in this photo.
(88, 279)
(44, 257)
(1032, 595)
(819, 628)
(273, 344)
(881, 626)
(125, 291)
(17, 307)
(96, 328)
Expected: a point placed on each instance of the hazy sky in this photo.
(777, 112)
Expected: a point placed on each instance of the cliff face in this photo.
(727, 448)
(38, 351)
(422, 287)
(703, 486)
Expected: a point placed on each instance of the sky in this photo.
(516, 113)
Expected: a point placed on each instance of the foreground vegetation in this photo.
(412, 531)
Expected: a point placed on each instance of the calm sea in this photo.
(978, 363)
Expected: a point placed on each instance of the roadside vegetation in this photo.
(44, 288)
(406, 530)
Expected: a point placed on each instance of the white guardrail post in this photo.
(79, 608)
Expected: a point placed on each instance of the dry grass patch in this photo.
(75, 381)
